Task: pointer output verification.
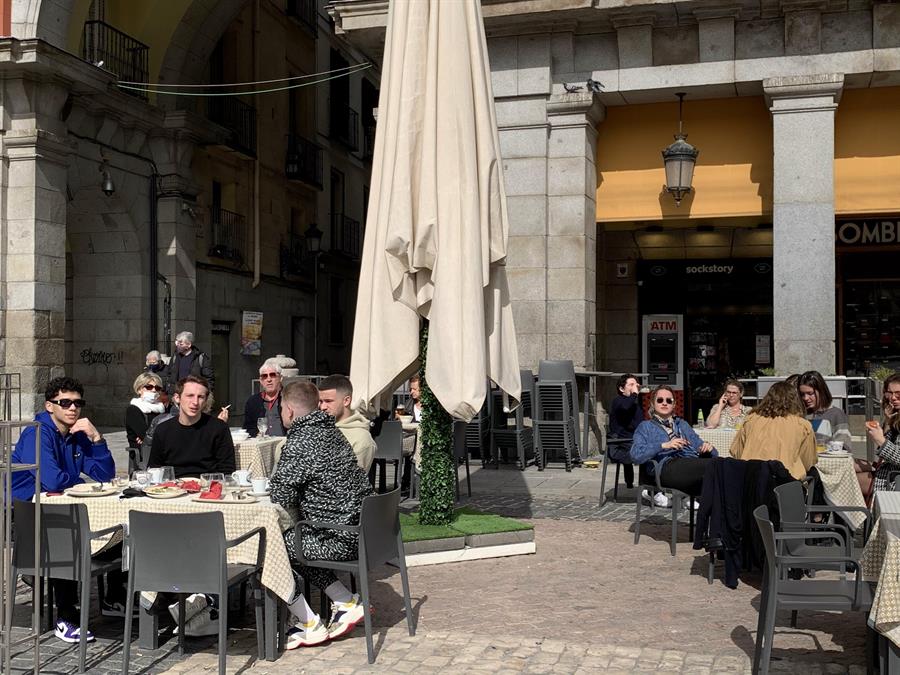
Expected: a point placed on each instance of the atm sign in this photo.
(663, 326)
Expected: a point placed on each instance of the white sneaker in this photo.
(345, 616)
(303, 635)
(205, 622)
(659, 499)
(686, 502)
(193, 605)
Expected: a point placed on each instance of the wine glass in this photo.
(262, 424)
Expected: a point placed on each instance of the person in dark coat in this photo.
(188, 360)
(141, 412)
(625, 413)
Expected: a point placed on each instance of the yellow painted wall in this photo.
(867, 152)
(733, 176)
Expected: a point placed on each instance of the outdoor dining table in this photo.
(838, 475)
(881, 563)
(277, 577)
(720, 438)
(257, 455)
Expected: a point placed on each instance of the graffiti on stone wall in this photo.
(91, 357)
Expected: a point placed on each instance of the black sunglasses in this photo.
(151, 387)
(665, 400)
(66, 403)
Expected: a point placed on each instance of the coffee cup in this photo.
(260, 485)
(156, 475)
(242, 476)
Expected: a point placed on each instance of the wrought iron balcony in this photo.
(303, 161)
(239, 118)
(346, 236)
(117, 52)
(345, 126)
(305, 12)
(295, 259)
(369, 141)
(228, 236)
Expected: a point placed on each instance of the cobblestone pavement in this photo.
(588, 601)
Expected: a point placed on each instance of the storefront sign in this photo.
(251, 333)
(698, 270)
(868, 232)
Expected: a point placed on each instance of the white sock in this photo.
(338, 593)
(301, 609)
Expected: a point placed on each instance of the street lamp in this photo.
(314, 248)
(679, 160)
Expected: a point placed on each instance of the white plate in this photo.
(259, 494)
(170, 493)
(85, 491)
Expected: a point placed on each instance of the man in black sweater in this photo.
(195, 442)
(625, 413)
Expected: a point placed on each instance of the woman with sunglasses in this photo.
(142, 410)
(672, 442)
(887, 434)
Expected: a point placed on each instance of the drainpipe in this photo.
(154, 261)
(256, 223)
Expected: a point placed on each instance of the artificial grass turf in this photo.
(466, 520)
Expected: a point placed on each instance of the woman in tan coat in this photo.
(776, 429)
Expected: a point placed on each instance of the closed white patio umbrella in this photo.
(436, 230)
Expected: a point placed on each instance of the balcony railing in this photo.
(303, 161)
(239, 118)
(345, 126)
(294, 256)
(305, 12)
(117, 52)
(369, 141)
(228, 234)
(346, 236)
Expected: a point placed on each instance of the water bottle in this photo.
(700, 418)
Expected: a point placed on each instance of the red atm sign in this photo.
(663, 326)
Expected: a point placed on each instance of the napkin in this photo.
(191, 486)
(171, 483)
(128, 493)
(215, 491)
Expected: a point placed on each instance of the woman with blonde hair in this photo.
(887, 434)
(776, 429)
(142, 410)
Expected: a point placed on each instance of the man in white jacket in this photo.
(335, 395)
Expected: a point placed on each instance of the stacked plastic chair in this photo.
(556, 415)
(518, 436)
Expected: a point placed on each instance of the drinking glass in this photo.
(168, 474)
(262, 424)
(142, 478)
(207, 479)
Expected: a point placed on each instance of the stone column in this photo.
(803, 111)
(572, 227)
(34, 234)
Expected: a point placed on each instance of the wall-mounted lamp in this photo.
(679, 160)
(106, 182)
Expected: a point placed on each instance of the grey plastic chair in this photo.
(460, 456)
(478, 431)
(808, 594)
(556, 415)
(186, 553)
(645, 480)
(65, 553)
(794, 515)
(389, 449)
(380, 542)
(519, 436)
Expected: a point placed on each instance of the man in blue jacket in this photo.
(70, 446)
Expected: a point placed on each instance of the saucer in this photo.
(259, 494)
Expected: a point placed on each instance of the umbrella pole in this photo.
(438, 477)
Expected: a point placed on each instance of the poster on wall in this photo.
(251, 334)
(763, 344)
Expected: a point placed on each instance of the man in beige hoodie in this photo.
(335, 395)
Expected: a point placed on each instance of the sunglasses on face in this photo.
(66, 403)
(670, 401)
(152, 387)
(266, 376)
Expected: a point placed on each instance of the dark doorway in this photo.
(220, 351)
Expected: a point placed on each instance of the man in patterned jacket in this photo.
(318, 478)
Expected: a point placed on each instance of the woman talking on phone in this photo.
(672, 442)
(729, 412)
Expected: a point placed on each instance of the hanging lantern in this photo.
(679, 160)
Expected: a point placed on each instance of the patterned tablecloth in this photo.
(257, 455)
(720, 438)
(105, 512)
(881, 563)
(838, 475)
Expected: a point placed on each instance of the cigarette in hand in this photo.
(226, 407)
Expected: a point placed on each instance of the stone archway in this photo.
(42, 19)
